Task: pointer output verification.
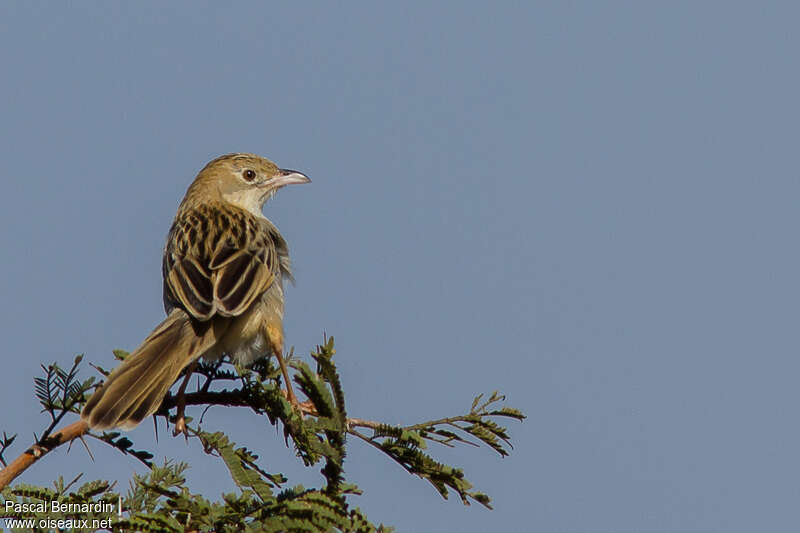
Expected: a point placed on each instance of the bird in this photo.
(224, 267)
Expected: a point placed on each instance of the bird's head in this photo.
(244, 180)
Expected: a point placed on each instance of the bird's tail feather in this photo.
(134, 390)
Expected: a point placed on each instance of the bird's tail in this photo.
(134, 390)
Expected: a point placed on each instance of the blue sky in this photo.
(591, 207)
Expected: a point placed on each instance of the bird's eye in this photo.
(249, 175)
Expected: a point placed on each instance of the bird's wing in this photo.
(241, 276)
(211, 269)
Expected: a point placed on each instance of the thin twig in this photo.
(359, 422)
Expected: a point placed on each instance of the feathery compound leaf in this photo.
(509, 412)
(92, 488)
(475, 402)
(441, 476)
(241, 464)
(151, 523)
(487, 437)
(67, 379)
(33, 492)
(497, 430)
(404, 444)
(125, 445)
(4, 445)
(46, 390)
(324, 358)
(316, 390)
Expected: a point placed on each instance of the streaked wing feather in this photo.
(192, 287)
(239, 282)
(223, 256)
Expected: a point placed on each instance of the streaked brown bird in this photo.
(224, 266)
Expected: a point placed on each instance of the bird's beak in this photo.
(288, 177)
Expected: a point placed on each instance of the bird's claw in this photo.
(180, 427)
(303, 408)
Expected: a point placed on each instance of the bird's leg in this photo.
(274, 334)
(304, 408)
(180, 401)
(289, 392)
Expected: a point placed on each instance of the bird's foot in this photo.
(304, 408)
(180, 427)
(180, 418)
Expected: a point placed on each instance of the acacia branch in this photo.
(235, 398)
(40, 449)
